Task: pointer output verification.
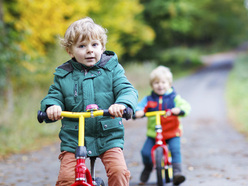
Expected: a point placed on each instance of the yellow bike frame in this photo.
(157, 114)
(81, 116)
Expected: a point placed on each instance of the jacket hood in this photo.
(108, 60)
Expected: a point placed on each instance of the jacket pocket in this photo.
(111, 124)
(112, 128)
(112, 133)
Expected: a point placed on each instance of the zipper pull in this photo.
(75, 91)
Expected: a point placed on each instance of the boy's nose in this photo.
(89, 49)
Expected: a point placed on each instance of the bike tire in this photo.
(169, 170)
(168, 175)
(99, 182)
(160, 166)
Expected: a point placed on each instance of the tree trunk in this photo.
(9, 93)
(1, 10)
(7, 100)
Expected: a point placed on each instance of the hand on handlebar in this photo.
(168, 112)
(175, 111)
(54, 112)
(139, 114)
(116, 110)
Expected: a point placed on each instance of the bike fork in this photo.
(82, 174)
(92, 169)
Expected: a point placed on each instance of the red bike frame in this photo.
(82, 173)
(160, 142)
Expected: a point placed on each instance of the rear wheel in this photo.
(160, 166)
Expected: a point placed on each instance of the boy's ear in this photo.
(103, 49)
(69, 52)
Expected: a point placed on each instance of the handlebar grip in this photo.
(127, 114)
(41, 116)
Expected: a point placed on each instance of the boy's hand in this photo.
(116, 110)
(139, 114)
(175, 111)
(54, 112)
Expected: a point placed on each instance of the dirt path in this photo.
(214, 154)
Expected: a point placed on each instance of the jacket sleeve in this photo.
(124, 91)
(142, 104)
(182, 104)
(54, 96)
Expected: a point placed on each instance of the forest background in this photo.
(143, 33)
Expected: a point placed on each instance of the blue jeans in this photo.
(174, 146)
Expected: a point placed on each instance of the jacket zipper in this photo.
(85, 71)
(76, 91)
(160, 102)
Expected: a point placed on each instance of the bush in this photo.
(180, 56)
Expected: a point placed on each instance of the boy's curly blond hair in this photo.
(83, 29)
(161, 72)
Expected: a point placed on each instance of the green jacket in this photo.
(76, 86)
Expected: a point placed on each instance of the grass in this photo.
(138, 75)
(21, 131)
(236, 94)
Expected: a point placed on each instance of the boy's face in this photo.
(160, 86)
(87, 52)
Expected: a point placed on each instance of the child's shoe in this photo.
(146, 173)
(178, 178)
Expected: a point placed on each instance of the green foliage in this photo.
(37, 19)
(10, 53)
(127, 33)
(237, 94)
(191, 23)
(10, 56)
(180, 56)
(33, 30)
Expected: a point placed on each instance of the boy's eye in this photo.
(95, 44)
(81, 46)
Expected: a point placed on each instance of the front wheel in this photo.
(99, 182)
(168, 174)
(160, 166)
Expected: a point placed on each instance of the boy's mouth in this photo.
(90, 58)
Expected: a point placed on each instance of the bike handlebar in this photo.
(166, 112)
(128, 112)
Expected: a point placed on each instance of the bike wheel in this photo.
(160, 166)
(168, 174)
(99, 182)
(169, 170)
